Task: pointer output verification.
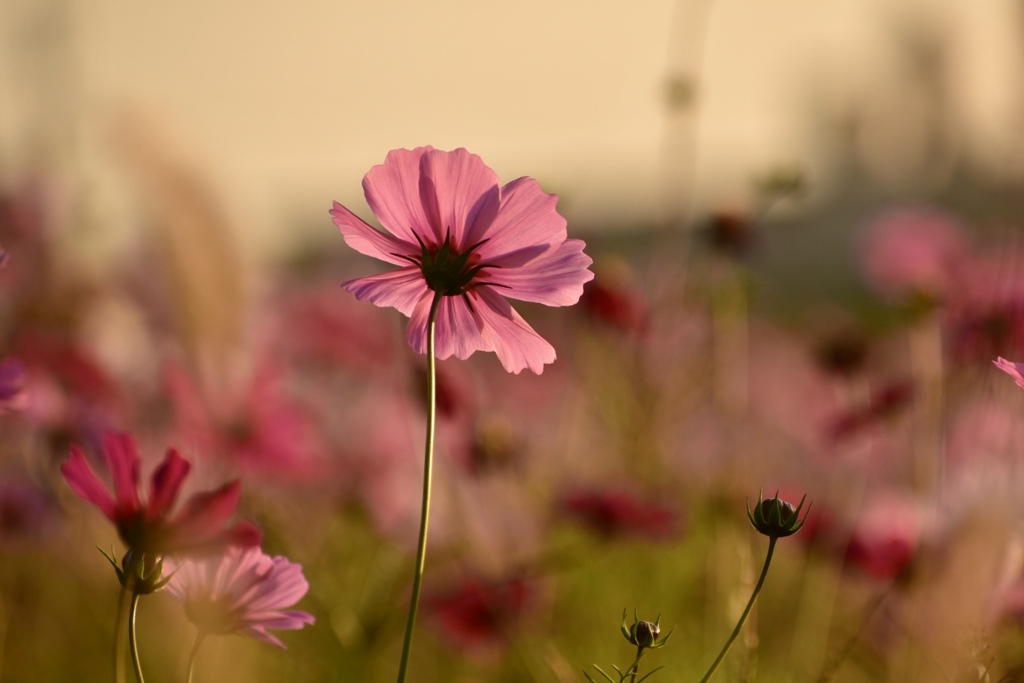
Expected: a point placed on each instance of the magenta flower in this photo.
(1014, 370)
(616, 513)
(455, 232)
(480, 615)
(244, 592)
(148, 527)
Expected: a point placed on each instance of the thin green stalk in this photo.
(132, 642)
(118, 643)
(192, 655)
(428, 466)
(635, 666)
(746, 611)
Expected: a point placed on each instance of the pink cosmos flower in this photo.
(244, 592)
(1014, 370)
(148, 527)
(457, 233)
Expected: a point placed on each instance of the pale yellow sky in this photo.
(284, 106)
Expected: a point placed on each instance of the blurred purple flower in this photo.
(26, 513)
(147, 527)
(243, 592)
(455, 232)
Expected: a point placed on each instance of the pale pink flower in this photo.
(149, 527)
(456, 232)
(914, 251)
(1014, 370)
(243, 592)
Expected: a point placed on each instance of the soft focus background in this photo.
(805, 219)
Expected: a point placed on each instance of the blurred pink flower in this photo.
(914, 252)
(883, 539)
(614, 513)
(12, 383)
(455, 231)
(312, 326)
(479, 615)
(889, 400)
(1014, 370)
(147, 527)
(243, 592)
(252, 424)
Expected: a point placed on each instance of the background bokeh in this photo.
(805, 219)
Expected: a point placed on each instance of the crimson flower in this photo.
(148, 527)
(244, 592)
(479, 615)
(455, 232)
(612, 513)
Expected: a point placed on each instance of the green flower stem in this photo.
(118, 642)
(192, 655)
(428, 466)
(634, 668)
(132, 642)
(746, 611)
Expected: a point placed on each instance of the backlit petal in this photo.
(527, 218)
(402, 289)
(166, 483)
(554, 279)
(84, 482)
(123, 460)
(517, 345)
(366, 240)
(203, 516)
(392, 191)
(460, 194)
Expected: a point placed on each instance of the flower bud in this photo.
(643, 634)
(139, 573)
(776, 518)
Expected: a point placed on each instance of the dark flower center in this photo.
(447, 271)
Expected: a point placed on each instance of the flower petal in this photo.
(555, 279)
(517, 345)
(460, 194)
(166, 483)
(366, 240)
(123, 459)
(527, 218)
(458, 330)
(203, 517)
(392, 191)
(1014, 370)
(403, 289)
(86, 485)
